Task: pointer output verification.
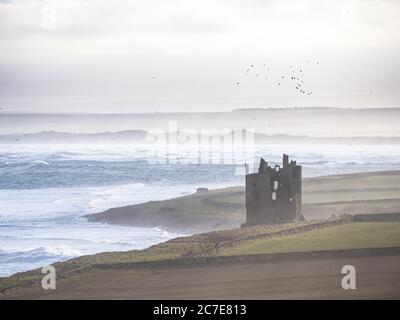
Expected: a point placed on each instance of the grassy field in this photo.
(348, 236)
(375, 192)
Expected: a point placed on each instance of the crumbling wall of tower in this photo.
(273, 195)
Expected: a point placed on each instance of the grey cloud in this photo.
(195, 49)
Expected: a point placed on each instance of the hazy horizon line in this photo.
(256, 133)
(16, 112)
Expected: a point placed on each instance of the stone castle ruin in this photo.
(273, 195)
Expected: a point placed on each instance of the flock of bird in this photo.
(294, 75)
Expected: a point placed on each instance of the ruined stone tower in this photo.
(273, 195)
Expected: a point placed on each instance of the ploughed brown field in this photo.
(377, 278)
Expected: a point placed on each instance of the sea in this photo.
(46, 190)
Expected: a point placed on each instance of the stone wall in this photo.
(377, 217)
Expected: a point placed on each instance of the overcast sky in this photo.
(192, 55)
